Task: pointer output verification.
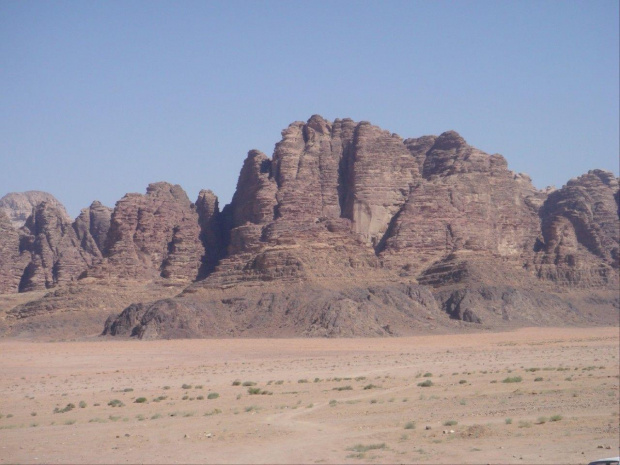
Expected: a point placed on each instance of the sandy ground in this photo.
(317, 400)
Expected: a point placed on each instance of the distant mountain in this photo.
(348, 230)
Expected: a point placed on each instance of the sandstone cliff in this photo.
(348, 230)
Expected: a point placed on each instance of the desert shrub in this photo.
(427, 375)
(410, 425)
(140, 400)
(556, 418)
(450, 423)
(253, 391)
(82, 404)
(198, 386)
(156, 416)
(236, 382)
(370, 386)
(128, 390)
(186, 386)
(332, 403)
(116, 403)
(65, 409)
(542, 420)
(213, 395)
(343, 388)
(508, 421)
(302, 380)
(463, 381)
(166, 388)
(512, 379)
(427, 383)
(200, 398)
(280, 382)
(366, 448)
(538, 379)
(249, 383)
(160, 398)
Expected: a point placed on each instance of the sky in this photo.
(98, 99)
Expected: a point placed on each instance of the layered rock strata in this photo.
(348, 230)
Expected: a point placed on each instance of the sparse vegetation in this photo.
(82, 404)
(249, 383)
(427, 383)
(140, 400)
(556, 418)
(213, 395)
(186, 386)
(427, 375)
(508, 421)
(343, 388)
(370, 386)
(116, 403)
(65, 409)
(450, 423)
(410, 425)
(366, 448)
(236, 382)
(512, 379)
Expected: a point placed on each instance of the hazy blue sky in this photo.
(101, 98)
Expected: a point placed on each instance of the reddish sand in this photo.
(319, 400)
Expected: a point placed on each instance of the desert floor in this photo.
(528, 396)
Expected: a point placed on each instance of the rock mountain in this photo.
(347, 230)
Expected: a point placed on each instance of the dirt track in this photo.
(324, 400)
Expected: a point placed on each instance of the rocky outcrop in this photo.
(580, 236)
(12, 262)
(18, 205)
(152, 235)
(296, 310)
(55, 251)
(348, 230)
(467, 200)
(91, 227)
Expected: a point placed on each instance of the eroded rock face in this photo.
(18, 205)
(348, 230)
(157, 234)
(467, 200)
(12, 262)
(580, 237)
(91, 227)
(56, 255)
